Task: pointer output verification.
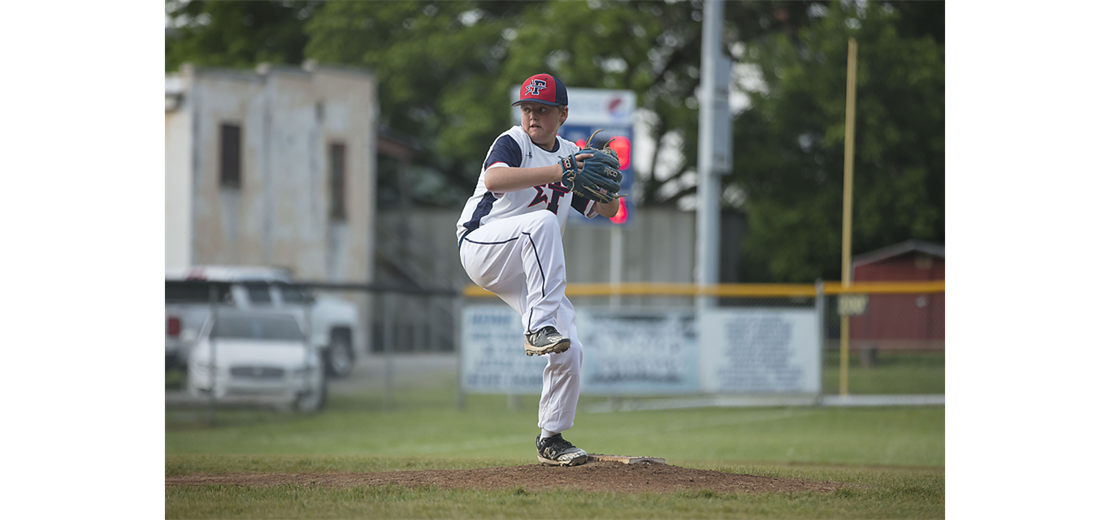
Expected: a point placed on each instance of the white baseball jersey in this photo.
(515, 149)
(512, 245)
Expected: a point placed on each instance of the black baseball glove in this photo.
(600, 176)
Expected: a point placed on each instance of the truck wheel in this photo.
(341, 356)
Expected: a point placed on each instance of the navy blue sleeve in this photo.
(579, 203)
(505, 150)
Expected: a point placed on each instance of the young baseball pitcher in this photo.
(511, 242)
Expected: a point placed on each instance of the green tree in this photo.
(236, 34)
(789, 146)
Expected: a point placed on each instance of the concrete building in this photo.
(273, 167)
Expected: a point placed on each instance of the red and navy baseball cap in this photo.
(543, 88)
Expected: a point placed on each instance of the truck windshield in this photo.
(259, 292)
(195, 291)
(291, 293)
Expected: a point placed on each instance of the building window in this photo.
(337, 175)
(231, 158)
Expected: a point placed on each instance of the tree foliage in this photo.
(236, 34)
(789, 147)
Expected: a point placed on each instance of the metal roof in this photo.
(901, 248)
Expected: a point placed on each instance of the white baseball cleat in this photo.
(555, 451)
(545, 341)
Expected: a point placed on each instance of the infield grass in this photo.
(893, 457)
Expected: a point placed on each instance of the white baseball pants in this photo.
(520, 259)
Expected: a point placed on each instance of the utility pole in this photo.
(714, 147)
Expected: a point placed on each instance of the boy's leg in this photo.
(561, 378)
(559, 398)
(521, 260)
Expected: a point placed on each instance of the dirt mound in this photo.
(612, 477)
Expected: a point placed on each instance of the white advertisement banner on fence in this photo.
(760, 351)
(651, 352)
(638, 352)
(493, 359)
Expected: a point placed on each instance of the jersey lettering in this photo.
(540, 196)
(557, 192)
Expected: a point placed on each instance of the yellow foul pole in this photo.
(846, 242)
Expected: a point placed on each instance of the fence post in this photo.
(309, 352)
(844, 341)
(457, 305)
(387, 347)
(819, 308)
(371, 313)
(426, 329)
(213, 300)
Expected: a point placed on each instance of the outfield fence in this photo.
(892, 316)
(885, 316)
(894, 342)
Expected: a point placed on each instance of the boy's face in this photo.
(541, 121)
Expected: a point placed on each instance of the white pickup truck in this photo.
(332, 323)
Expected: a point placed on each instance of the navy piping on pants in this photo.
(543, 278)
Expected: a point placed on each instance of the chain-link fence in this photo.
(895, 343)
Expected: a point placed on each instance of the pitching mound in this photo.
(613, 477)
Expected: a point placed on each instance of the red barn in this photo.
(900, 321)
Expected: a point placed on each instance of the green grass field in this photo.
(892, 457)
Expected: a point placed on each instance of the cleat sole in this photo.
(573, 462)
(557, 348)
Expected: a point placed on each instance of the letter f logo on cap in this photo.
(536, 86)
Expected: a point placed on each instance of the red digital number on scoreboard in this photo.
(619, 144)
